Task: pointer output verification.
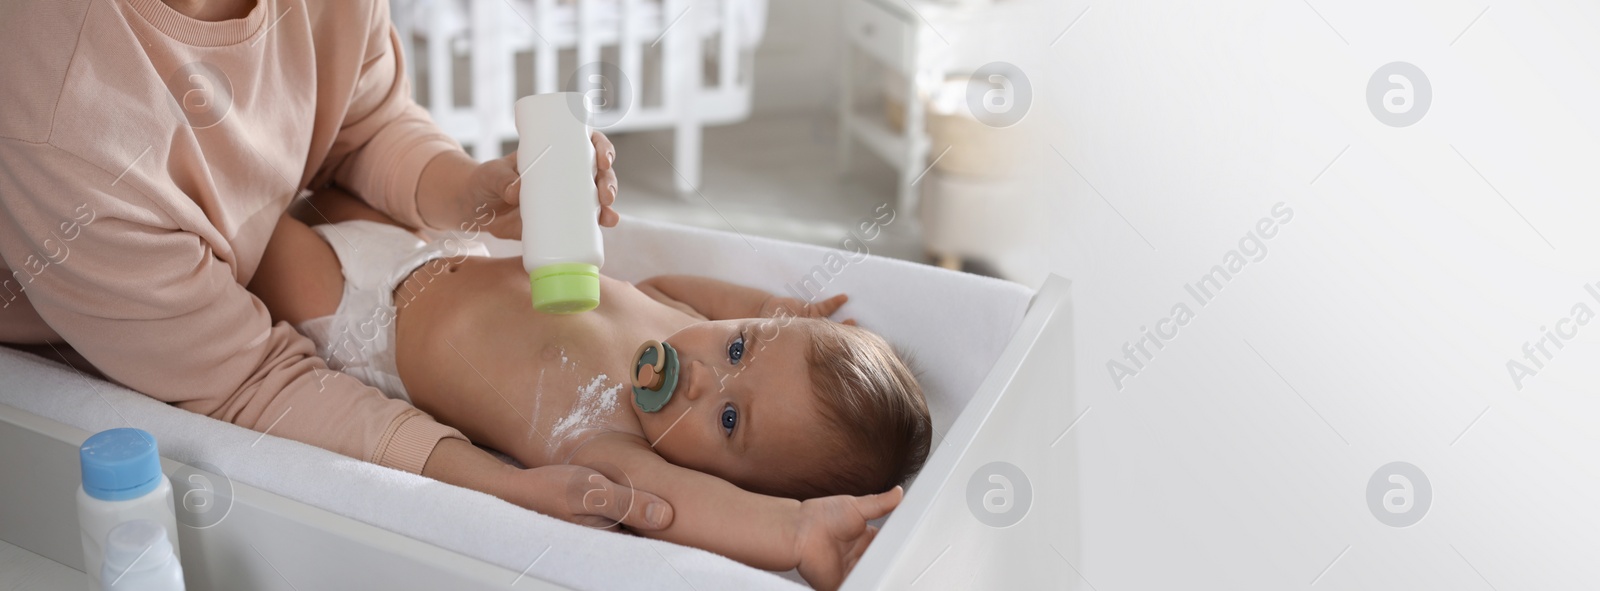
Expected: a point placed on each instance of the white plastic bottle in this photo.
(561, 245)
(140, 558)
(122, 481)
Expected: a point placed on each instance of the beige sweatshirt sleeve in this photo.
(153, 307)
(386, 138)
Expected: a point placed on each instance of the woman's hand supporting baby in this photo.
(822, 537)
(570, 493)
(457, 193)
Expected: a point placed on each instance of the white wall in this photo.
(797, 61)
(1379, 325)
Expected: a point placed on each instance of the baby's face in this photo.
(743, 405)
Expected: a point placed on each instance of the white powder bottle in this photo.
(561, 245)
(122, 481)
(140, 558)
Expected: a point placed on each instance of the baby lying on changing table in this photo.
(783, 432)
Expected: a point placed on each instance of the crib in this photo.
(292, 515)
(647, 64)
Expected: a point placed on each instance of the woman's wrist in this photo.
(458, 462)
(440, 187)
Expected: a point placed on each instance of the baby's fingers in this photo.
(878, 505)
(827, 307)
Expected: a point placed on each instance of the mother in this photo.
(148, 147)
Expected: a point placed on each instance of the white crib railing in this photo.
(658, 64)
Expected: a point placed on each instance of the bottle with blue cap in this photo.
(122, 482)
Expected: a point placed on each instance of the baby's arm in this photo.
(716, 300)
(822, 537)
(720, 300)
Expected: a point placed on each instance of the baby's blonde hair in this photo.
(876, 408)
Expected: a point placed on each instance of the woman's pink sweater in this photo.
(145, 157)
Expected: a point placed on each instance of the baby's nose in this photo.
(692, 380)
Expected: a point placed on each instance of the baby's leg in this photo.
(299, 277)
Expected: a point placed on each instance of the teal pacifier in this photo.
(655, 375)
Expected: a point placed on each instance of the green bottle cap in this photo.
(565, 288)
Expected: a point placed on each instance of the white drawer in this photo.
(880, 31)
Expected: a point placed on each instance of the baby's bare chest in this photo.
(577, 390)
(567, 375)
(579, 378)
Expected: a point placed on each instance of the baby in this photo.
(774, 404)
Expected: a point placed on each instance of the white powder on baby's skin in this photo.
(595, 402)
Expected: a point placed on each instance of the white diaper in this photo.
(358, 339)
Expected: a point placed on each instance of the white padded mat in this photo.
(954, 326)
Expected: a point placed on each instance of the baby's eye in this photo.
(736, 350)
(730, 418)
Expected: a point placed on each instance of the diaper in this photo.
(358, 339)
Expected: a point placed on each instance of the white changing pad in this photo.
(954, 325)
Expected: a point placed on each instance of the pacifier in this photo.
(655, 375)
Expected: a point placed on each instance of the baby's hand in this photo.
(778, 306)
(833, 533)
